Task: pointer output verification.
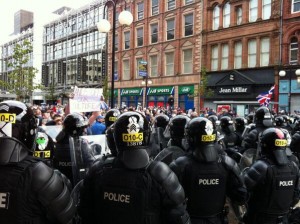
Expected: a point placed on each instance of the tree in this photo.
(106, 90)
(20, 79)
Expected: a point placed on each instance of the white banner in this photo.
(86, 100)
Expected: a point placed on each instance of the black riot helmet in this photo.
(240, 123)
(250, 118)
(74, 124)
(131, 135)
(295, 143)
(110, 139)
(279, 121)
(226, 124)
(273, 142)
(176, 127)
(201, 136)
(111, 116)
(263, 116)
(161, 120)
(23, 121)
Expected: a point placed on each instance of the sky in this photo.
(39, 7)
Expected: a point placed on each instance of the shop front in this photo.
(186, 97)
(237, 90)
(158, 96)
(131, 97)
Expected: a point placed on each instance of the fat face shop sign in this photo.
(233, 89)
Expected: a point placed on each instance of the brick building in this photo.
(167, 36)
(240, 51)
(289, 87)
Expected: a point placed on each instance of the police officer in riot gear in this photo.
(272, 181)
(263, 120)
(176, 146)
(240, 125)
(111, 116)
(207, 176)
(231, 139)
(130, 188)
(71, 153)
(157, 139)
(30, 191)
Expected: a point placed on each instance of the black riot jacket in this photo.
(112, 193)
(31, 192)
(274, 189)
(209, 181)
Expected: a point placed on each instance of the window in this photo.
(169, 58)
(170, 29)
(171, 4)
(127, 40)
(126, 70)
(154, 33)
(294, 51)
(188, 2)
(225, 55)
(296, 6)
(187, 61)
(116, 43)
(251, 53)
(153, 68)
(214, 58)
(226, 15)
(154, 8)
(238, 55)
(253, 7)
(140, 13)
(266, 9)
(239, 15)
(188, 24)
(140, 36)
(116, 75)
(216, 18)
(264, 51)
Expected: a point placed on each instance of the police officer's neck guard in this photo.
(206, 153)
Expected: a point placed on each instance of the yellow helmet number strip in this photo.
(8, 118)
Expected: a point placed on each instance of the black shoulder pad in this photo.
(230, 164)
(255, 173)
(169, 181)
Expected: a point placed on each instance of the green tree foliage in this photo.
(20, 79)
(203, 90)
(106, 90)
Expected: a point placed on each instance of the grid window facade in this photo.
(216, 18)
(169, 59)
(294, 48)
(126, 40)
(126, 69)
(225, 56)
(188, 24)
(171, 4)
(238, 47)
(226, 15)
(253, 8)
(153, 70)
(264, 51)
(266, 9)
(154, 33)
(154, 7)
(214, 58)
(251, 53)
(296, 6)
(187, 61)
(170, 29)
(140, 36)
(140, 12)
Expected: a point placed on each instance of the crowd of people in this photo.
(162, 165)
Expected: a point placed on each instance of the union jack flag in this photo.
(265, 97)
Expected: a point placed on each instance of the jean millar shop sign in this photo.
(233, 89)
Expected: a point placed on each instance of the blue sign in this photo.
(143, 68)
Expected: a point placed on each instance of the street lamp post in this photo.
(125, 18)
(282, 73)
(146, 82)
